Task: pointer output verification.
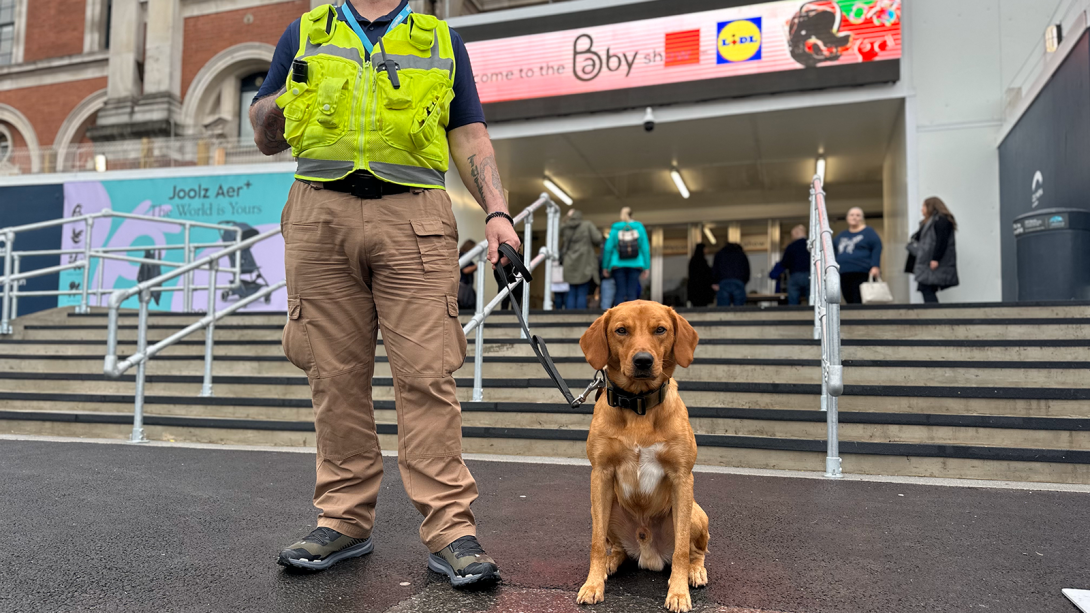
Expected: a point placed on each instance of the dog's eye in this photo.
(621, 331)
(660, 330)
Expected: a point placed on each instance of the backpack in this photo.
(628, 243)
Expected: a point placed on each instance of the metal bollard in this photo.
(206, 387)
(478, 355)
(15, 291)
(5, 304)
(89, 227)
(527, 230)
(141, 370)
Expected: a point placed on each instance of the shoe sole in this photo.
(441, 566)
(355, 551)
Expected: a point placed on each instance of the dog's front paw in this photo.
(592, 592)
(679, 601)
(698, 576)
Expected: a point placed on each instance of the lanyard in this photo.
(350, 18)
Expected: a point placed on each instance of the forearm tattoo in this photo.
(484, 173)
(269, 123)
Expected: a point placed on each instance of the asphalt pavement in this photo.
(95, 527)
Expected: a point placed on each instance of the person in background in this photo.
(578, 240)
(609, 286)
(700, 283)
(935, 250)
(627, 256)
(796, 261)
(467, 295)
(859, 253)
(731, 267)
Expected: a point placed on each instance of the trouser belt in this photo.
(365, 185)
(521, 274)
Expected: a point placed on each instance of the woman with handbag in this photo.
(859, 253)
(627, 256)
(934, 250)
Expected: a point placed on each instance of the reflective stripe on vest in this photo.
(324, 169)
(408, 174)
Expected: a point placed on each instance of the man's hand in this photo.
(268, 122)
(934, 264)
(476, 161)
(498, 231)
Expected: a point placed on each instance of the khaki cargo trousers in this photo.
(354, 267)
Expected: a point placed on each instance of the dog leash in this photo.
(522, 275)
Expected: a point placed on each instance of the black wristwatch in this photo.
(492, 216)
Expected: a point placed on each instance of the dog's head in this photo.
(640, 343)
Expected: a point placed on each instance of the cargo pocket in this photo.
(295, 339)
(455, 345)
(431, 240)
(412, 116)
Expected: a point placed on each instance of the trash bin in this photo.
(1053, 247)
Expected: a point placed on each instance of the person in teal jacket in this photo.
(627, 256)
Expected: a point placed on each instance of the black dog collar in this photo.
(638, 403)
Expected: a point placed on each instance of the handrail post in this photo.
(814, 259)
(88, 229)
(141, 369)
(5, 304)
(527, 234)
(206, 387)
(550, 218)
(187, 280)
(15, 290)
(478, 347)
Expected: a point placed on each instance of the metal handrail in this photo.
(113, 368)
(547, 254)
(12, 275)
(825, 297)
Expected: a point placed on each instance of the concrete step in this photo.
(856, 372)
(987, 431)
(921, 329)
(859, 457)
(961, 400)
(942, 311)
(806, 349)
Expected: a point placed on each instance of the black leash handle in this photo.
(537, 344)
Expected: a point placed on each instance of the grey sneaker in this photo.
(323, 548)
(464, 563)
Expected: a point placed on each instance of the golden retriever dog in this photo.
(642, 450)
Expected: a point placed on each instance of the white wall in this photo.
(959, 59)
(895, 211)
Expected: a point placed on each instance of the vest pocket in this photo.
(412, 116)
(318, 113)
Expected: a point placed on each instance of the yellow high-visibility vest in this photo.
(344, 112)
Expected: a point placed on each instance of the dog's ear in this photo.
(594, 343)
(685, 340)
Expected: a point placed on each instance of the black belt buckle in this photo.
(367, 189)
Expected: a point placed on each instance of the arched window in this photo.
(247, 90)
(6, 143)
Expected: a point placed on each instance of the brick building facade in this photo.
(165, 73)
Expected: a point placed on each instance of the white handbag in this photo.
(875, 291)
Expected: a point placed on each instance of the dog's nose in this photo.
(643, 360)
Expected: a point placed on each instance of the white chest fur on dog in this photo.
(648, 471)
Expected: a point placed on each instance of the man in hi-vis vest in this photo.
(372, 99)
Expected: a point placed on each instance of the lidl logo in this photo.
(739, 41)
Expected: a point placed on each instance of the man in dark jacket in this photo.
(796, 261)
(731, 267)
